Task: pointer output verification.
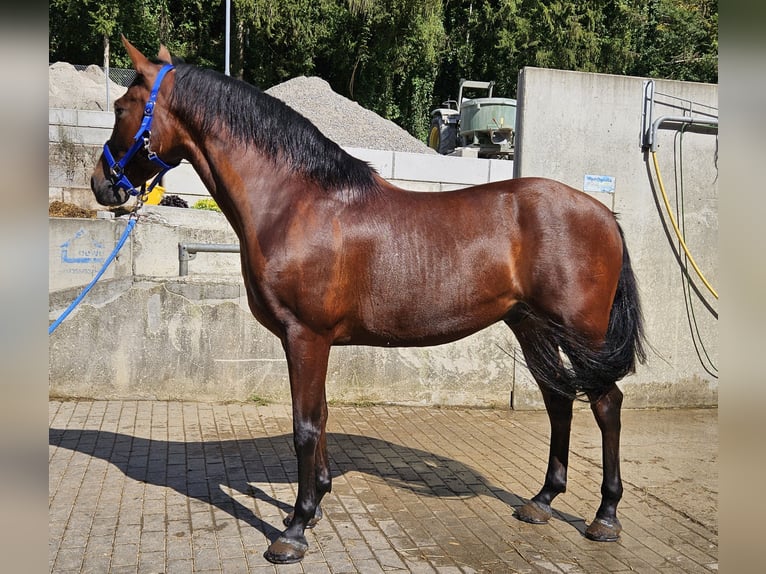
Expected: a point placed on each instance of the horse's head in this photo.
(141, 134)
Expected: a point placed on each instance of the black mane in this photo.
(208, 99)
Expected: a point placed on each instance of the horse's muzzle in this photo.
(106, 193)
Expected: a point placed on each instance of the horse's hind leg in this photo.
(606, 408)
(539, 352)
(606, 405)
(538, 509)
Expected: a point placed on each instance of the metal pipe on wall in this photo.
(188, 251)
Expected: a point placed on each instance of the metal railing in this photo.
(188, 251)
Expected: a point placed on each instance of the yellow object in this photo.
(155, 195)
(678, 231)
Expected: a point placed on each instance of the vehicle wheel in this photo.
(442, 136)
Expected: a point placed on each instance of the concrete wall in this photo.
(75, 140)
(574, 126)
(145, 332)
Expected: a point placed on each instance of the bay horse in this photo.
(332, 254)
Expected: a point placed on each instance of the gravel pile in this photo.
(343, 120)
(80, 89)
(340, 119)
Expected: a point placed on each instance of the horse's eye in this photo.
(119, 112)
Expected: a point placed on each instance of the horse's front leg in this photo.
(606, 409)
(559, 408)
(307, 357)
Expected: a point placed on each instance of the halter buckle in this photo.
(116, 171)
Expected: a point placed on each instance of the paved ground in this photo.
(166, 487)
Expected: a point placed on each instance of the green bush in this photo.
(207, 203)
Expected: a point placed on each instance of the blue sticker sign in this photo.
(599, 183)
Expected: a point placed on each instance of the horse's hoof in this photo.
(534, 513)
(602, 530)
(286, 550)
(312, 523)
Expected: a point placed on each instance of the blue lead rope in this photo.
(120, 243)
(120, 180)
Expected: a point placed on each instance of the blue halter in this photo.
(140, 140)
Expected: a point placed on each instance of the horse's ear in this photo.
(164, 54)
(140, 62)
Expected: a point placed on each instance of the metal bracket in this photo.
(699, 120)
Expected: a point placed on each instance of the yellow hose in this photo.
(675, 227)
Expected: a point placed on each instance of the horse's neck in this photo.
(220, 169)
(254, 187)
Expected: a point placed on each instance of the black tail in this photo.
(625, 335)
(590, 371)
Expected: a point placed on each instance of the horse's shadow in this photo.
(200, 470)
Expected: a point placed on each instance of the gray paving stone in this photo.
(148, 487)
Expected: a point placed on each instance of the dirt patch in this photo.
(63, 209)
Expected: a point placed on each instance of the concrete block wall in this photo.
(75, 140)
(78, 247)
(194, 339)
(414, 171)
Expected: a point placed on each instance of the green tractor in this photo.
(485, 125)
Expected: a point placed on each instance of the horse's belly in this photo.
(419, 321)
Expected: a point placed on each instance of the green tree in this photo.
(383, 54)
(390, 52)
(680, 40)
(280, 39)
(494, 39)
(400, 58)
(82, 31)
